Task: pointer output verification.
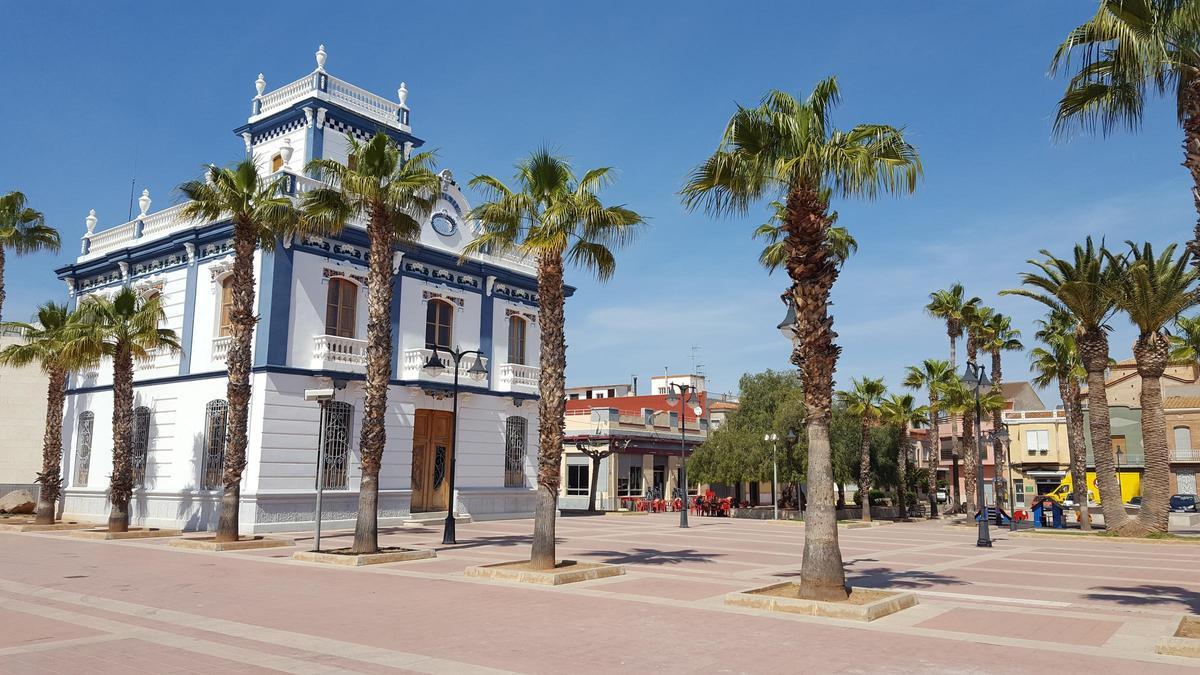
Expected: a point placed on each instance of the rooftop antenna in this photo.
(132, 182)
(696, 349)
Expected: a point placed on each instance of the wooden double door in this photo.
(432, 460)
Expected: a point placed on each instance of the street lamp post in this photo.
(685, 397)
(435, 366)
(975, 378)
(774, 439)
(1001, 436)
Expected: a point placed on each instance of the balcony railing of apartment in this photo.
(220, 348)
(339, 353)
(1185, 455)
(157, 358)
(517, 377)
(412, 367)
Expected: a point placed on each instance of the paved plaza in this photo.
(1033, 602)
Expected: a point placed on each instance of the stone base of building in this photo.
(565, 572)
(864, 604)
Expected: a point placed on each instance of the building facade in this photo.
(23, 419)
(311, 295)
(1038, 453)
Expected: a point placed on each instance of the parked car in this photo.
(1135, 502)
(942, 496)
(1183, 503)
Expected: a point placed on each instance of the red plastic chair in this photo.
(678, 504)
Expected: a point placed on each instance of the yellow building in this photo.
(1038, 452)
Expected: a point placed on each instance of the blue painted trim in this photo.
(136, 254)
(189, 318)
(485, 333)
(318, 143)
(397, 285)
(308, 372)
(332, 110)
(274, 307)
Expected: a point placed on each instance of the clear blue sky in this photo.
(94, 88)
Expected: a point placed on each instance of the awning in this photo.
(1045, 474)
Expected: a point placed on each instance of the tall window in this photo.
(83, 447)
(336, 422)
(630, 485)
(439, 323)
(1019, 491)
(1037, 442)
(276, 162)
(224, 327)
(339, 308)
(516, 340)
(577, 479)
(140, 445)
(216, 416)
(514, 452)
(1183, 438)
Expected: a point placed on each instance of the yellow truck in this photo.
(1131, 486)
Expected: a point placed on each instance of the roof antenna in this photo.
(132, 182)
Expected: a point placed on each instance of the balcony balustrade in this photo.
(412, 367)
(517, 377)
(1185, 455)
(220, 348)
(339, 353)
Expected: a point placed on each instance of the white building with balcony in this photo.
(312, 320)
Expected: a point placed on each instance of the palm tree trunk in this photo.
(379, 373)
(969, 453)
(1191, 158)
(935, 452)
(999, 456)
(902, 466)
(864, 471)
(237, 392)
(551, 407)
(1068, 389)
(1151, 351)
(51, 475)
(1093, 349)
(1, 283)
(955, 497)
(813, 272)
(121, 485)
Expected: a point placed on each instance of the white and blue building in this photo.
(311, 299)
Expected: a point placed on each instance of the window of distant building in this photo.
(648, 416)
(514, 451)
(276, 162)
(341, 302)
(630, 484)
(216, 417)
(336, 420)
(1183, 438)
(577, 479)
(439, 324)
(612, 393)
(1037, 442)
(140, 446)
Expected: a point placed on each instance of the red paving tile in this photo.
(1075, 631)
(671, 588)
(120, 656)
(18, 629)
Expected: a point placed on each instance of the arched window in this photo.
(1183, 438)
(352, 161)
(340, 303)
(514, 452)
(224, 325)
(276, 162)
(83, 447)
(517, 328)
(439, 324)
(140, 446)
(216, 416)
(335, 420)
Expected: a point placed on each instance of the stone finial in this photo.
(321, 56)
(260, 85)
(285, 152)
(144, 203)
(91, 222)
(402, 95)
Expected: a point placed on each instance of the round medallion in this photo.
(444, 225)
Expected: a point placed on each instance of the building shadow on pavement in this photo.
(498, 540)
(652, 556)
(1148, 594)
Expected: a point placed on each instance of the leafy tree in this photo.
(262, 215)
(556, 218)
(22, 230)
(394, 194)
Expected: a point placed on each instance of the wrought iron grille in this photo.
(83, 449)
(439, 466)
(335, 420)
(140, 444)
(216, 417)
(514, 452)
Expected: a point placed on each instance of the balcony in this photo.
(156, 359)
(338, 353)
(220, 348)
(412, 367)
(517, 377)
(1185, 455)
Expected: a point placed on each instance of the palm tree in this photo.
(902, 412)
(555, 218)
(394, 194)
(1082, 288)
(791, 149)
(957, 399)
(262, 215)
(863, 400)
(48, 344)
(22, 230)
(1059, 362)
(1185, 341)
(952, 306)
(125, 329)
(1152, 292)
(1125, 49)
(932, 375)
(996, 336)
(842, 244)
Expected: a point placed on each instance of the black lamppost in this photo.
(435, 366)
(975, 378)
(1000, 436)
(683, 399)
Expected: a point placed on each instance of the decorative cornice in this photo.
(426, 296)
